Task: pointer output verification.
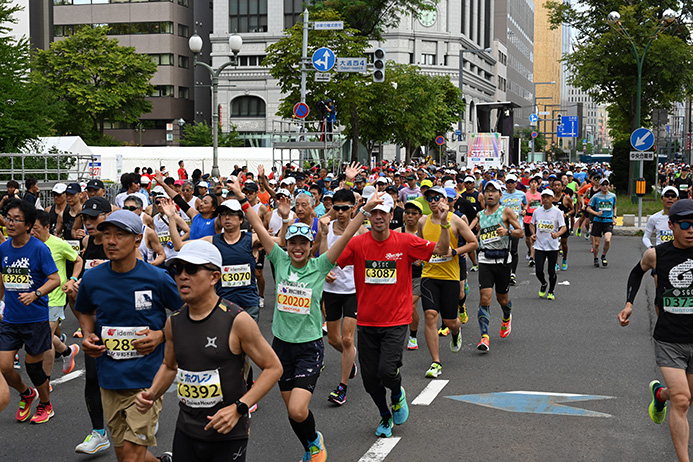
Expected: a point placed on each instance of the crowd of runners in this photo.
(167, 280)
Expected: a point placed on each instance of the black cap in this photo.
(252, 187)
(73, 188)
(300, 176)
(95, 184)
(681, 210)
(391, 189)
(359, 179)
(95, 206)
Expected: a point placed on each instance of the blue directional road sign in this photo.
(532, 402)
(324, 59)
(568, 127)
(533, 118)
(642, 139)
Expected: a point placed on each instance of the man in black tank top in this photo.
(206, 345)
(673, 332)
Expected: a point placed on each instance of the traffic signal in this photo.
(559, 119)
(379, 65)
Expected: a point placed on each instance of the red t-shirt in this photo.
(182, 174)
(382, 274)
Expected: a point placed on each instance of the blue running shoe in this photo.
(384, 430)
(400, 409)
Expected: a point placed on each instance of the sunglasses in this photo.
(671, 196)
(131, 208)
(684, 225)
(341, 208)
(189, 268)
(302, 230)
(435, 198)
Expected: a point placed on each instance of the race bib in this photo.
(16, 279)
(294, 299)
(381, 272)
(534, 203)
(235, 275)
(606, 206)
(164, 237)
(678, 301)
(545, 226)
(199, 389)
(666, 235)
(439, 258)
(89, 264)
(75, 245)
(411, 197)
(118, 341)
(683, 187)
(489, 235)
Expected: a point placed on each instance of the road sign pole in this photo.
(304, 72)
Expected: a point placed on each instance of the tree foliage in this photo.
(200, 134)
(602, 62)
(96, 80)
(525, 134)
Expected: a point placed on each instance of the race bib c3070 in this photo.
(199, 389)
(235, 275)
(294, 299)
(118, 341)
(381, 272)
(16, 279)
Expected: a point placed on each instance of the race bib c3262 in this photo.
(16, 279)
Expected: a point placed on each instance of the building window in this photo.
(161, 91)
(183, 61)
(250, 60)
(184, 92)
(292, 12)
(501, 83)
(248, 15)
(428, 59)
(185, 3)
(162, 59)
(183, 31)
(247, 106)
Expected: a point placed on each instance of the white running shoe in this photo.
(93, 443)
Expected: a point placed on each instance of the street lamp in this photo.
(534, 105)
(195, 44)
(462, 52)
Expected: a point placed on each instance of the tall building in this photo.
(547, 71)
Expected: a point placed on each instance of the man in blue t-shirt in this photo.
(603, 208)
(124, 304)
(29, 274)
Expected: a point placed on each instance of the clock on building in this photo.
(428, 18)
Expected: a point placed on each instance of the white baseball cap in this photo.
(387, 205)
(59, 188)
(547, 192)
(199, 252)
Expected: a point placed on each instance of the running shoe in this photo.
(596, 263)
(384, 429)
(78, 333)
(63, 338)
(542, 290)
(557, 267)
(578, 232)
(434, 371)
(25, 405)
(317, 450)
(550, 296)
(464, 317)
(412, 344)
(483, 344)
(261, 304)
(43, 413)
(587, 235)
(658, 409)
(474, 268)
(338, 396)
(69, 360)
(531, 262)
(564, 265)
(93, 443)
(513, 280)
(505, 327)
(400, 409)
(307, 457)
(591, 250)
(324, 328)
(166, 457)
(354, 371)
(17, 364)
(443, 331)
(456, 342)
(604, 262)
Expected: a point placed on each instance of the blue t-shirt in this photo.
(580, 177)
(514, 201)
(138, 298)
(201, 227)
(25, 269)
(606, 203)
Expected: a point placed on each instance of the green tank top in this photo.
(488, 234)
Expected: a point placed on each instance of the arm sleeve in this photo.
(180, 202)
(634, 281)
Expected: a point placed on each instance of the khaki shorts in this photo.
(125, 422)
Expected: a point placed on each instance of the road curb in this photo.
(628, 231)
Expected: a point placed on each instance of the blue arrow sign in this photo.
(533, 118)
(533, 402)
(568, 127)
(323, 59)
(642, 139)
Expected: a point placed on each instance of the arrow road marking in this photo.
(533, 402)
(429, 393)
(641, 140)
(380, 449)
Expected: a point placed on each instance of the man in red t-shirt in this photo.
(182, 173)
(382, 275)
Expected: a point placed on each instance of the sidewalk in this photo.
(620, 230)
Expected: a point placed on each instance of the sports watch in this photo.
(241, 407)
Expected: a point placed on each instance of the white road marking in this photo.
(563, 283)
(429, 393)
(380, 449)
(67, 377)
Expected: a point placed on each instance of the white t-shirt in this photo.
(547, 222)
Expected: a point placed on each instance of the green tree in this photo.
(24, 111)
(200, 134)
(96, 80)
(525, 134)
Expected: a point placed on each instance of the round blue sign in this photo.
(642, 139)
(301, 110)
(440, 141)
(324, 59)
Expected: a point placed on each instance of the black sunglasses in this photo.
(670, 195)
(131, 208)
(189, 268)
(435, 198)
(684, 225)
(341, 208)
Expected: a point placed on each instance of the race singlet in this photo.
(118, 341)
(74, 244)
(294, 299)
(235, 275)
(381, 272)
(16, 279)
(545, 226)
(489, 235)
(678, 301)
(199, 389)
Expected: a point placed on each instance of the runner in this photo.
(206, 347)
(533, 202)
(29, 274)
(547, 225)
(150, 245)
(203, 222)
(382, 270)
(296, 327)
(517, 201)
(477, 201)
(674, 327)
(603, 208)
(564, 202)
(412, 214)
(440, 280)
(494, 268)
(122, 323)
(658, 224)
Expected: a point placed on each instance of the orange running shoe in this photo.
(25, 405)
(505, 327)
(483, 344)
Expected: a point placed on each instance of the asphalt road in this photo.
(572, 345)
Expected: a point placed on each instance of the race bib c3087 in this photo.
(199, 389)
(118, 341)
(381, 272)
(294, 299)
(235, 275)
(16, 279)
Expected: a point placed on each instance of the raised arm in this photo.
(443, 245)
(177, 198)
(253, 218)
(336, 250)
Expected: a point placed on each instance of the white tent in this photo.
(70, 144)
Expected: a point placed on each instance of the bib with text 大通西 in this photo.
(199, 389)
(235, 275)
(381, 272)
(16, 279)
(294, 299)
(118, 341)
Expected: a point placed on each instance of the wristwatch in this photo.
(241, 407)
(454, 252)
(38, 293)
